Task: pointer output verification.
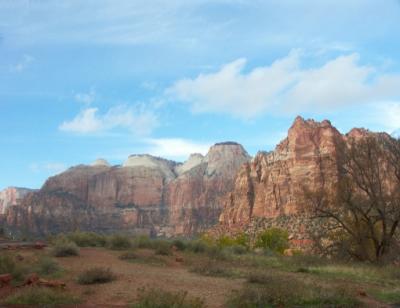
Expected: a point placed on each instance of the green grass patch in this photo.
(65, 248)
(212, 268)
(96, 275)
(157, 298)
(119, 242)
(358, 273)
(87, 239)
(41, 296)
(387, 296)
(274, 290)
(46, 266)
(128, 255)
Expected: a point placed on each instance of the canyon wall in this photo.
(146, 195)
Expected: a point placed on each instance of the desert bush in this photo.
(216, 253)
(225, 241)
(129, 255)
(211, 268)
(47, 266)
(7, 264)
(179, 244)
(267, 290)
(236, 249)
(64, 248)
(119, 242)
(157, 298)
(259, 278)
(162, 248)
(275, 239)
(41, 296)
(96, 275)
(197, 246)
(87, 239)
(143, 241)
(391, 296)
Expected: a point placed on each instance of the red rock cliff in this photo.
(145, 194)
(269, 185)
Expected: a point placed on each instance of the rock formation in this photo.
(270, 185)
(11, 196)
(269, 189)
(195, 196)
(163, 197)
(145, 194)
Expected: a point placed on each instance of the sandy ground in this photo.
(131, 276)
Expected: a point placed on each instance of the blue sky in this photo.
(103, 78)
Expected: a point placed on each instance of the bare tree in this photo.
(363, 207)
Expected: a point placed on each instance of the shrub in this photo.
(87, 239)
(179, 244)
(274, 239)
(119, 242)
(259, 278)
(197, 246)
(65, 249)
(225, 241)
(267, 290)
(41, 296)
(96, 275)
(162, 248)
(129, 255)
(47, 266)
(211, 268)
(236, 249)
(157, 298)
(7, 264)
(143, 241)
(216, 253)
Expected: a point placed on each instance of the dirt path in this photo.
(132, 276)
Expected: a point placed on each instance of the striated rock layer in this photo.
(269, 189)
(145, 194)
(158, 196)
(271, 184)
(11, 196)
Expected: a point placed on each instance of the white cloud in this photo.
(137, 120)
(388, 116)
(176, 147)
(86, 98)
(286, 87)
(25, 61)
(48, 167)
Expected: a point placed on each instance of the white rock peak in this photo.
(100, 162)
(146, 160)
(193, 161)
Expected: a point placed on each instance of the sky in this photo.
(80, 80)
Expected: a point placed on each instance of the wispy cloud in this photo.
(387, 114)
(175, 147)
(47, 167)
(23, 64)
(137, 120)
(86, 98)
(286, 87)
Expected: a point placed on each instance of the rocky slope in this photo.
(145, 194)
(11, 196)
(271, 184)
(150, 194)
(269, 189)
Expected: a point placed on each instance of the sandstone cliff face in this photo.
(11, 196)
(145, 194)
(271, 184)
(195, 196)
